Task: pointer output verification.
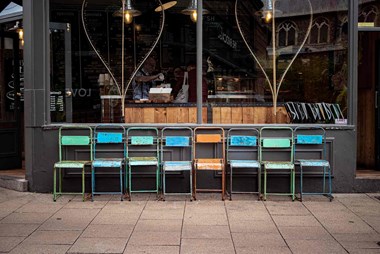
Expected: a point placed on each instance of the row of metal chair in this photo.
(182, 149)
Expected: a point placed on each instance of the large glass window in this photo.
(100, 65)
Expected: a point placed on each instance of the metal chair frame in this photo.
(318, 138)
(66, 141)
(183, 145)
(104, 137)
(269, 144)
(242, 142)
(216, 163)
(133, 161)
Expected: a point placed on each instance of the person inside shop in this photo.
(191, 69)
(145, 79)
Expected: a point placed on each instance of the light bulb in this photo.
(193, 16)
(128, 17)
(20, 34)
(267, 16)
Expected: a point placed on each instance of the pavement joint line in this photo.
(325, 227)
(229, 226)
(183, 222)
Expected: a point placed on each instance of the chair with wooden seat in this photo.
(242, 153)
(176, 155)
(307, 140)
(277, 157)
(72, 138)
(109, 152)
(209, 155)
(142, 152)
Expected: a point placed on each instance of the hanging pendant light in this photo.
(192, 10)
(165, 6)
(127, 11)
(266, 13)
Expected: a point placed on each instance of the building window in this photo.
(287, 34)
(320, 31)
(368, 14)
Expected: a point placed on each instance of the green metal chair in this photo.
(176, 155)
(142, 152)
(242, 153)
(312, 138)
(209, 155)
(277, 141)
(69, 138)
(109, 152)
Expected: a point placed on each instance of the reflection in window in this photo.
(287, 34)
(320, 31)
(368, 14)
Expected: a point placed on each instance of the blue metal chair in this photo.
(272, 141)
(312, 138)
(142, 141)
(109, 140)
(242, 153)
(69, 139)
(209, 154)
(177, 141)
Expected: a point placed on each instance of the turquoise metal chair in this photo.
(209, 155)
(242, 153)
(274, 140)
(312, 139)
(177, 141)
(109, 140)
(144, 141)
(68, 140)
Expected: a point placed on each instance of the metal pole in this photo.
(199, 60)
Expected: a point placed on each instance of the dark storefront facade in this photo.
(314, 63)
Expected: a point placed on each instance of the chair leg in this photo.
(259, 182)
(293, 176)
(223, 182)
(195, 184)
(157, 181)
(83, 187)
(163, 184)
(92, 182)
(191, 184)
(130, 182)
(60, 180)
(121, 183)
(231, 182)
(265, 184)
(55, 184)
(301, 182)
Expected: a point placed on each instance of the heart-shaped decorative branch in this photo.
(273, 85)
(122, 88)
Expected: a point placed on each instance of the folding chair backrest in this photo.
(309, 139)
(109, 138)
(142, 140)
(312, 136)
(66, 140)
(144, 137)
(177, 141)
(276, 142)
(209, 136)
(242, 143)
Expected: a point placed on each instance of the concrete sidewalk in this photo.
(33, 223)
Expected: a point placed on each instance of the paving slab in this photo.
(137, 249)
(206, 246)
(26, 218)
(162, 214)
(98, 245)
(116, 218)
(79, 204)
(40, 249)
(305, 233)
(258, 240)
(205, 219)
(263, 249)
(40, 207)
(53, 237)
(158, 226)
(8, 243)
(19, 229)
(206, 232)
(108, 231)
(242, 226)
(296, 221)
(155, 238)
(315, 246)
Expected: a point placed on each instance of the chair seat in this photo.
(314, 163)
(244, 164)
(142, 161)
(108, 162)
(278, 165)
(177, 165)
(209, 164)
(71, 164)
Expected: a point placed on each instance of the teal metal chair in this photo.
(177, 141)
(277, 141)
(209, 155)
(142, 152)
(109, 152)
(71, 137)
(308, 139)
(242, 153)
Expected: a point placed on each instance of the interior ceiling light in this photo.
(192, 10)
(128, 12)
(266, 13)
